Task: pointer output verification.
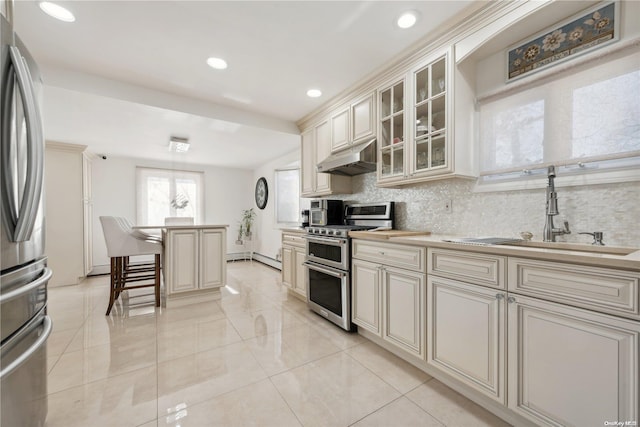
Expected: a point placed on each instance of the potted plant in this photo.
(240, 234)
(248, 216)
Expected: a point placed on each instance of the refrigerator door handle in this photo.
(42, 339)
(21, 226)
(27, 288)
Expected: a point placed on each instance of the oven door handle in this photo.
(338, 274)
(331, 241)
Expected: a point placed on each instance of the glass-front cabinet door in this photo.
(430, 113)
(391, 136)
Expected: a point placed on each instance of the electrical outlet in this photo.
(448, 208)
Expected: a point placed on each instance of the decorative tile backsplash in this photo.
(611, 208)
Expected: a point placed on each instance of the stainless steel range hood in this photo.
(358, 158)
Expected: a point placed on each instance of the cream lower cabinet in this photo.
(194, 260)
(294, 273)
(571, 367)
(525, 343)
(387, 300)
(466, 335)
(365, 295)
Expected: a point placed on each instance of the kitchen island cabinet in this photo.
(195, 266)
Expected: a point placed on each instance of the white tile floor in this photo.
(257, 357)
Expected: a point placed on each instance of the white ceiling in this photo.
(127, 75)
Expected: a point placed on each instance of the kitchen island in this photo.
(194, 263)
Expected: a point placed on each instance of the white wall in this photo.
(269, 236)
(227, 192)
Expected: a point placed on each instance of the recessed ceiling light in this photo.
(407, 19)
(57, 11)
(217, 63)
(314, 93)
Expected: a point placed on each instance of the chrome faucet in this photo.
(550, 232)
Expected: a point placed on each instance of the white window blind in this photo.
(287, 196)
(591, 114)
(165, 193)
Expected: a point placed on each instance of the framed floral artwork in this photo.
(590, 29)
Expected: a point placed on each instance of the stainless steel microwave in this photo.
(325, 212)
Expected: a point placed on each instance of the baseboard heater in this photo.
(271, 262)
(100, 270)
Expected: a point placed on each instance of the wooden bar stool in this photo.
(123, 243)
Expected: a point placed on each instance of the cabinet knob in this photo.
(499, 296)
(511, 300)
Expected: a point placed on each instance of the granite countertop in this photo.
(601, 256)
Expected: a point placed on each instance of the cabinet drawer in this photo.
(293, 239)
(478, 269)
(409, 257)
(601, 289)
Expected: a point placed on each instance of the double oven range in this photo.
(328, 259)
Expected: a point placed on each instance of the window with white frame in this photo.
(590, 115)
(165, 193)
(287, 196)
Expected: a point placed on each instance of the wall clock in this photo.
(262, 192)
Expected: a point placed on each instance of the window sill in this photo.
(540, 181)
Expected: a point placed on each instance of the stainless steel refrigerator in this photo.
(24, 323)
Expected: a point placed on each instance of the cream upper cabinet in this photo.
(391, 130)
(316, 146)
(569, 366)
(308, 175)
(323, 150)
(353, 122)
(417, 133)
(340, 130)
(4, 5)
(430, 110)
(363, 118)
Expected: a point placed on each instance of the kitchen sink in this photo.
(574, 247)
(558, 246)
